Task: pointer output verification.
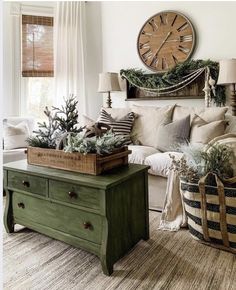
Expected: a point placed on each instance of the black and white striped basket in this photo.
(211, 212)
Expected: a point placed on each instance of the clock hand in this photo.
(167, 36)
(173, 40)
(182, 38)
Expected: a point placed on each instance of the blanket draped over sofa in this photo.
(173, 215)
(153, 128)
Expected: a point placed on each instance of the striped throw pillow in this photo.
(121, 127)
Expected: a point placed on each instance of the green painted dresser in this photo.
(105, 215)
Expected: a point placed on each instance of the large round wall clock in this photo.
(165, 40)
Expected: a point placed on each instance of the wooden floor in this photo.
(169, 260)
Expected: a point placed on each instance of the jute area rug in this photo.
(169, 260)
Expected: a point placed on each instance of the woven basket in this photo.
(211, 212)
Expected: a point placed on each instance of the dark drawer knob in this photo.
(20, 204)
(72, 194)
(26, 183)
(87, 225)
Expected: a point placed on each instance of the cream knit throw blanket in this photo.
(173, 215)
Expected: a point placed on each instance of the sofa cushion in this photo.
(172, 134)
(160, 162)
(147, 123)
(208, 114)
(203, 132)
(139, 153)
(15, 136)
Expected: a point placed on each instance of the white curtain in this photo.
(70, 50)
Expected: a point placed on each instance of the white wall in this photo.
(112, 30)
(214, 23)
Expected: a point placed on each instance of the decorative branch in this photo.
(104, 144)
(45, 136)
(197, 162)
(67, 116)
(64, 120)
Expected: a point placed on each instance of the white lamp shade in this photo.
(108, 82)
(227, 73)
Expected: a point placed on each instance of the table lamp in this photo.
(108, 82)
(227, 76)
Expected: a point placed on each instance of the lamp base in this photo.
(233, 100)
(109, 102)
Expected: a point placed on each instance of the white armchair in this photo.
(18, 153)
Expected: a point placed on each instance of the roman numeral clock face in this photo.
(165, 40)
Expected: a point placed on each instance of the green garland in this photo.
(174, 76)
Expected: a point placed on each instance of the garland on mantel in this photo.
(179, 77)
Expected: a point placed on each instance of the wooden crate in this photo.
(90, 163)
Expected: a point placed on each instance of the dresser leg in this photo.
(146, 211)
(106, 252)
(146, 237)
(8, 213)
(107, 268)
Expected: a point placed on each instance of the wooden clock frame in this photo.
(192, 34)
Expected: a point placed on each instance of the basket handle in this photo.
(201, 185)
(222, 207)
(223, 224)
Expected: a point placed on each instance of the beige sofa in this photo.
(147, 153)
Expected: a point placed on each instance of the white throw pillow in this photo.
(15, 136)
(160, 163)
(147, 122)
(139, 153)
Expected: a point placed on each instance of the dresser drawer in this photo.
(82, 224)
(84, 196)
(29, 183)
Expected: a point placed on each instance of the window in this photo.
(37, 46)
(37, 65)
(38, 93)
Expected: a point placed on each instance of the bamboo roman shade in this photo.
(37, 46)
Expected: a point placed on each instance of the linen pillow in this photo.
(203, 132)
(121, 127)
(15, 136)
(147, 123)
(207, 114)
(171, 134)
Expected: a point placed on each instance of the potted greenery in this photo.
(60, 143)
